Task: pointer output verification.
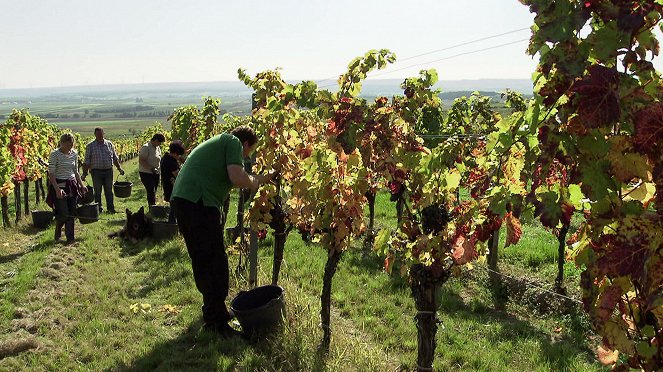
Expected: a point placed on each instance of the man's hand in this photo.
(121, 171)
(60, 193)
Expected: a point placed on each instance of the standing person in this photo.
(170, 167)
(149, 158)
(65, 186)
(100, 156)
(204, 182)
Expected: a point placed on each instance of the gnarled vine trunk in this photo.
(26, 201)
(370, 234)
(37, 194)
(561, 254)
(424, 289)
(17, 201)
(5, 212)
(325, 298)
(279, 244)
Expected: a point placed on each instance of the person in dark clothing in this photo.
(170, 167)
(204, 182)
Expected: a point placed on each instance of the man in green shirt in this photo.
(204, 182)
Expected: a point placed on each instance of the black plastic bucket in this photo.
(88, 213)
(41, 218)
(122, 189)
(159, 211)
(163, 230)
(88, 197)
(260, 309)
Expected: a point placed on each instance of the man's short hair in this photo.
(245, 134)
(158, 137)
(98, 129)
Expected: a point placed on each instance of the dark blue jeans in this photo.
(65, 211)
(103, 179)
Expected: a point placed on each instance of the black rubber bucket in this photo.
(88, 213)
(259, 310)
(88, 197)
(159, 211)
(122, 189)
(163, 230)
(41, 218)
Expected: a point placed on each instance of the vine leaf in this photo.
(597, 97)
(513, 229)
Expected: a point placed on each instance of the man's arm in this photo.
(243, 180)
(116, 160)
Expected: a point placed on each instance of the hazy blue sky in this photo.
(75, 42)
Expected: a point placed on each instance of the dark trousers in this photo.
(200, 226)
(167, 192)
(103, 178)
(151, 182)
(65, 210)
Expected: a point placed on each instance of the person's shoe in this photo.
(70, 242)
(111, 211)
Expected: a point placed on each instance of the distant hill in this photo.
(385, 87)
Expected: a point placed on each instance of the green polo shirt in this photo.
(205, 173)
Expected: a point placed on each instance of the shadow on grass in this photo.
(199, 350)
(560, 353)
(37, 247)
(193, 350)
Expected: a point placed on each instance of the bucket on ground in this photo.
(122, 189)
(41, 218)
(259, 310)
(163, 230)
(159, 211)
(88, 213)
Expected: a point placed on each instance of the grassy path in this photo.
(105, 304)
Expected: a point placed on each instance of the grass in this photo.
(76, 301)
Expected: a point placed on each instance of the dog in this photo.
(138, 226)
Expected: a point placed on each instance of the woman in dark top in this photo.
(170, 167)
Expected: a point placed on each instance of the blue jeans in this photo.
(65, 211)
(103, 178)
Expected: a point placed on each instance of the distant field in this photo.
(119, 116)
(112, 127)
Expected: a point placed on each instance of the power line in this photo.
(442, 49)
(439, 59)
(450, 57)
(463, 44)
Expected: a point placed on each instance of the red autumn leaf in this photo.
(649, 128)
(464, 250)
(597, 97)
(513, 229)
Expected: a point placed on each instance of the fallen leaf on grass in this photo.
(136, 307)
(169, 309)
(606, 356)
(558, 329)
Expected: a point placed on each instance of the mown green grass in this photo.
(79, 299)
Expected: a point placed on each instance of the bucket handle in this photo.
(118, 177)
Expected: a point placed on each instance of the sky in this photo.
(52, 43)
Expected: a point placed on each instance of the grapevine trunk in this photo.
(5, 212)
(424, 289)
(325, 299)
